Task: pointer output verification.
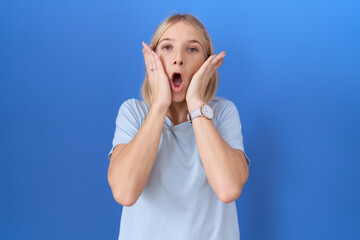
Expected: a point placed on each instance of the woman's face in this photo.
(181, 51)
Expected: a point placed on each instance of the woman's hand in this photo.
(196, 91)
(158, 80)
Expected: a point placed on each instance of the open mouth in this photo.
(177, 79)
(177, 82)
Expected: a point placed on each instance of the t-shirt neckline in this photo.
(169, 124)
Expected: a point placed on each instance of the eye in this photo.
(166, 47)
(193, 49)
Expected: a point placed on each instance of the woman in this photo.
(178, 162)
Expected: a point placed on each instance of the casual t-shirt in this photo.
(178, 202)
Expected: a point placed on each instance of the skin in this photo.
(180, 55)
(226, 168)
(131, 164)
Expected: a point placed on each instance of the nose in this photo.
(178, 58)
(180, 62)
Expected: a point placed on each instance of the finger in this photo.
(151, 56)
(146, 58)
(218, 58)
(206, 64)
(216, 62)
(212, 64)
(158, 62)
(148, 64)
(216, 66)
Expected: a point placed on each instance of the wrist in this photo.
(160, 108)
(194, 104)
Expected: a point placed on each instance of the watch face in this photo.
(207, 111)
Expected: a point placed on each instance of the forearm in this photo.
(226, 170)
(131, 167)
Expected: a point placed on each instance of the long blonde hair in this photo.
(208, 46)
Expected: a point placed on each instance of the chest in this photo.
(178, 165)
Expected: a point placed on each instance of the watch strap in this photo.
(194, 114)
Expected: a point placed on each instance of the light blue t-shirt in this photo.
(178, 202)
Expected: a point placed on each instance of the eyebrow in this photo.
(171, 39)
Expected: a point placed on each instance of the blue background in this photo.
(292, 68)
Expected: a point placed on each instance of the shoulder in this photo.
(134, 107)
(225, 111)
(135, 104)
(220, 104)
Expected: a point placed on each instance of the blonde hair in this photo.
(208, 47)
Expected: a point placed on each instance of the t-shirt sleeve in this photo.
(229, 126)
(127, 124)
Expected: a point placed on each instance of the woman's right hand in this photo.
(158, 80)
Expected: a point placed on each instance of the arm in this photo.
(225, 167)
(131, 164)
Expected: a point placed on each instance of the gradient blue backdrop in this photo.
(292, 69)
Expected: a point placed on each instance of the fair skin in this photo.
(176, 53)
(130, 165)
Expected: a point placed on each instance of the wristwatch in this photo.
(205, 110)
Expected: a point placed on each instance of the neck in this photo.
(177, 112)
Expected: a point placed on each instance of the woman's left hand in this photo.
(196, 91)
